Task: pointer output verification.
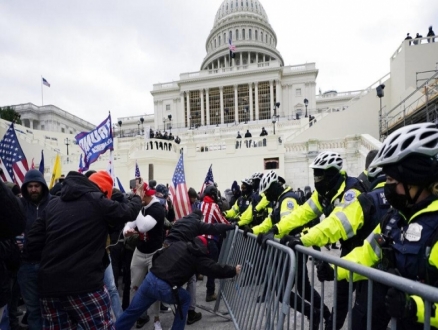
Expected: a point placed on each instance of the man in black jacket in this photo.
(186, 229)
(36, 197)
(12, 223)
(173, 266)
(70, 240)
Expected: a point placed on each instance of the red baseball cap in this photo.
(148, 191)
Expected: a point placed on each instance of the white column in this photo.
(271, 96)
(256, 92)
(201, 96)
(221, 90)
(188, 109)
(236, 105)
(156, 123)
(180, 113)
(218, 64)
(278, 94)
(257, 57)
(208, 105)
(241, 55)
(250, 103)
(31, 123)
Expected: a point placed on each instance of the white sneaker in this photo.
(157, 325)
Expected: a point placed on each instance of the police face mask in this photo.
(397, 201)
(326, 182)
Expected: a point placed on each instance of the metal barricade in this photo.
(259, 297)
(374, 276)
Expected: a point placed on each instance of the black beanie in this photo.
(417, 170)
(192, 193)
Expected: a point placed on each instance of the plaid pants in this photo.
(89, 310)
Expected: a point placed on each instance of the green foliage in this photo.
(9, 114)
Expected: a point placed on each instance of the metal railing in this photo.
(261, 297)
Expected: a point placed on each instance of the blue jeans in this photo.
(108, 280)
(213, 253)
(4, 319)
(27, 279)
(151, 290)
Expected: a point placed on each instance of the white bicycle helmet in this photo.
(247, 181)
(267, 180)
(257, 175)
(421, 139)
(326, 160)
(373, 172)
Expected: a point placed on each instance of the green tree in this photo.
(9, 114)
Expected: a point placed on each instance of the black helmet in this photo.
(211, 191)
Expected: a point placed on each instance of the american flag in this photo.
(13, 161)
(209, 180)
(45, 82)
(181, 201)
(232, 48)
(137, 170)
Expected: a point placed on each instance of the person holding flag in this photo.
(232, 49)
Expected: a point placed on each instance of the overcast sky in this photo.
(102, 55)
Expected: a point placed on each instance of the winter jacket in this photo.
(33, 211)
(181, 260)
(12, 223)
(190, 226)
(71, 237)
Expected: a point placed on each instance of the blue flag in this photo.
(120, 185)
(41, 169)
(96, 142)
(137, 170)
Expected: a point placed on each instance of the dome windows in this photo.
(243, 34)
(237, 34)
(250, 34)
(256, 35)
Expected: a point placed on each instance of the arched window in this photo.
(215, 43)
(266, 38)
(243, 34)
(231, 5)
(237, 34)
(219, 40)
(231, 35)
(261, 36)
(250, 34)
(225, 38)
(271, 40)
(256, 35)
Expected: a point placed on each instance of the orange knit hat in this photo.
(104, 182)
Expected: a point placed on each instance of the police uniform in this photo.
(414, 252)
(239, 207)
(257, 212)
(348, 192)
(286, 203)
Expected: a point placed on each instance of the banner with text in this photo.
(96, 142)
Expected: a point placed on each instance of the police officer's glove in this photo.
(234, 221)
(325, 272)
(291, 241)
(400, 305)
(247, 230)
(262, 239)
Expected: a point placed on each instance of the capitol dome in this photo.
(246, 23)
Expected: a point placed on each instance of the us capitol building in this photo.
(251, 91)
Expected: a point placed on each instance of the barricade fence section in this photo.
(263, 296)
(259, 297)
(372, 314)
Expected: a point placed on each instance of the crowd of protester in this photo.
(64, 251)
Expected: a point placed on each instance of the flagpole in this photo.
(42, 98)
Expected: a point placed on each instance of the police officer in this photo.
(242, 202)
(258, 211)
(285, 202)
(351, 223)
(409, 231)
(334, 189)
